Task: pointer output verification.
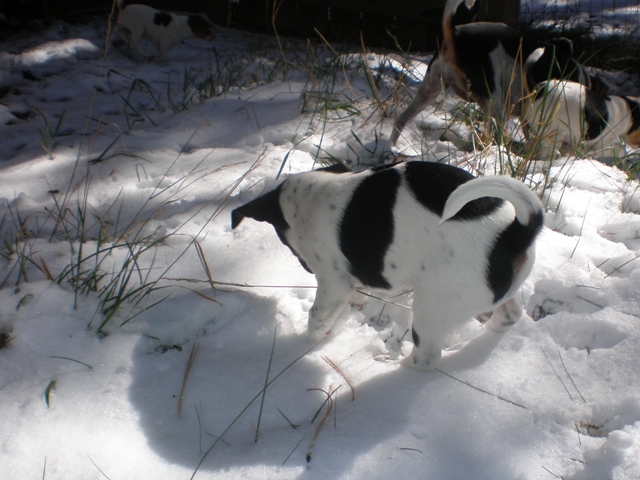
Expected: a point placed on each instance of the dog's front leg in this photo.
(331, 298)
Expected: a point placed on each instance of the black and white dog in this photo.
(483, 62)
(163, 29)
(431, 227)
(565, 114)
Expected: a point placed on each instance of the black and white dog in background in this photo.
(430, 227)
(565, 114)
(483, 62)
(163, 29)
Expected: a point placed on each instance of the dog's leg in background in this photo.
(331, 298)
(428, 90)
(505, 315)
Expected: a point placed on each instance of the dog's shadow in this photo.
(231, 347)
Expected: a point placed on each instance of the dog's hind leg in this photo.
(429, 330)
(428, 90)
(331, 298)
(505, 315)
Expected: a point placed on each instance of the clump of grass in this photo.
(48, 134)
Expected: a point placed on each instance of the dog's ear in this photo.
(265, 208)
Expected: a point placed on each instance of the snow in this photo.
(556, 395)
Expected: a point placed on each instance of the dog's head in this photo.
(266, 208)
(200, 27)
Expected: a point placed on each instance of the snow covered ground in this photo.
(150, 164)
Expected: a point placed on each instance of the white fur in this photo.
(136, 21)
(444, 262)
(556, 119)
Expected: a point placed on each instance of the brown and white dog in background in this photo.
(565, 114)
(163, 29)
(482, 62)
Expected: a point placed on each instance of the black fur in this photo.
(635, 114)
(367, 227)
(336, 168)
(415, 337)
(432, 183)
(508, 247)
(464, 15)
(596, 113)
(266, 208)
(162, 18)
(475, 42)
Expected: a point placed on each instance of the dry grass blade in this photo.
(266, 384)
(366, 294)
(71, 360)
(234, 284)
(370, 79)
(480, 389)
(554, 371)
(192, 358)
(47, 392)
(246, 407)
(619, 267)
(329, 403)
(205, 266)
(294, 449)
(343, 375)
(46, 271)
(293, 425)
(200, 294)
(572, 382)
(94, 464)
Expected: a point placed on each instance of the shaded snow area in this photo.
(601, 16)
(138, 331)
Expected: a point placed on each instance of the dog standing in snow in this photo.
(163, 29)
(482, 62)
(565, 114)
(431, 227)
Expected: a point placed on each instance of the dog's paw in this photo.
(316, 335)
(357, 300)
(504, 316)
(424, 360)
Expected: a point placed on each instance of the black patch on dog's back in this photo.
(162, 18)
(366, 230)
(473, 47)
(510, 245)
(596, 113)
(432, 183)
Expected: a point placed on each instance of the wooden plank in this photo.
(429, 10)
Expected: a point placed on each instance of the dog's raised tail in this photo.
(527, 205)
